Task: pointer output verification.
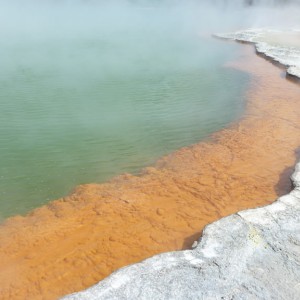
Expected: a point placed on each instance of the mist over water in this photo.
(92, 89)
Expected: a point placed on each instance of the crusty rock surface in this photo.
(253, 254)
(280, 46)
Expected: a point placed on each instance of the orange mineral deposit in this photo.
(76, 241)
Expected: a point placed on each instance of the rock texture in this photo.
(282, 47)
(253, 254)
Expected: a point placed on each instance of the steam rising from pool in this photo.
(91, 89)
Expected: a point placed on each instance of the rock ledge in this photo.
(253, 254)
(282, 47)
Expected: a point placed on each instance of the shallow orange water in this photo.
(78, 240)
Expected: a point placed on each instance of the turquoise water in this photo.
(83, 108)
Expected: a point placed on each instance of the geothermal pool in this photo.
(83, 105)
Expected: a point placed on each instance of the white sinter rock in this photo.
(253, 254)
(283, 47)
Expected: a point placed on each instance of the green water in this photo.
(82, 108)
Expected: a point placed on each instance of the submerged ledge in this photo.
(78, 240)
(253, 254)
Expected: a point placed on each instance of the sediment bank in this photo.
(76, 241)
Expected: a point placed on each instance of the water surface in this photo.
(85, 106)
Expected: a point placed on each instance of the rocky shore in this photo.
(280, 46)
(253, 254)
(76, 241)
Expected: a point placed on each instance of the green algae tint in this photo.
(79, 108)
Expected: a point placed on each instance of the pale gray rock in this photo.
(253, 254)
(281, 46)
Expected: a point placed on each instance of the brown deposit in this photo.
(76, 241)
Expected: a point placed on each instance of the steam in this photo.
(103, 37)
(134, 28)
(70, 18)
